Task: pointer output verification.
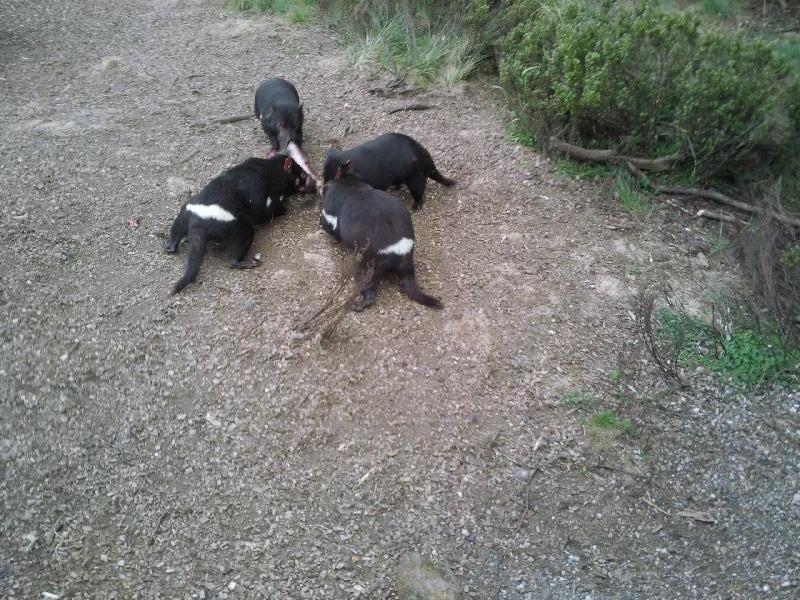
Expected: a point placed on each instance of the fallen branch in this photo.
(717, 216)
(710, 195)
(662, 163)
(236, 119)
(723, 199)
(410, 107)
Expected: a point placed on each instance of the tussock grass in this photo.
(297, 11)
(397, 44)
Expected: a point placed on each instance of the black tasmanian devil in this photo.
(389, 159)
(378, 225)
(278, 107)
(227, 209)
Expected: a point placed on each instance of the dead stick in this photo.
(711, 195)
(236, 119)
(723, 199)
(662, 163)
(716, 215)
(410, 107)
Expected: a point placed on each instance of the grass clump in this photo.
(748, 357)
(581, 170)
(627, 192)
(610, 421)
(427, 41)
(518, 133)
(297, 11)
(577, 400)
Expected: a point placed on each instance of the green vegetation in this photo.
(721, 8)
(577, 400)
(297, 11)
(626, 190)
(609, 420)
(581, 171)
(428, 56)
(519, 134)
(427, 41)
(648, 82)
(749, 358)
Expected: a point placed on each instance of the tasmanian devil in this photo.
(389, 159)
(379, 226)
(229, 206)
(278, 107)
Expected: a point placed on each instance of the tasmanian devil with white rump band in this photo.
(227, 209)
(378, 225)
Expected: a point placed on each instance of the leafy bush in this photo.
(647, 82)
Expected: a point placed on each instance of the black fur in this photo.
(368, 220)
(242, 191)
(277, 106)
(389, 159)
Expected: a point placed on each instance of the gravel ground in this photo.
(187, 447)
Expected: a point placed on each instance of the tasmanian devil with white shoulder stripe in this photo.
(227, 209)
(379, 226)
(388, 160)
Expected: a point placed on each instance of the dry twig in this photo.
(339, 302)
(414, 106)
(711, 195)
(234, 119)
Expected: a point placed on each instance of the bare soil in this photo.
(190, 447)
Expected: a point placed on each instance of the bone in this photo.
(297, 156)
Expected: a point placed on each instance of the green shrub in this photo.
(647, 82)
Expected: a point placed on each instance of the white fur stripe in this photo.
(401, 247)
(332, 221)
(210, 211)
(269, 201)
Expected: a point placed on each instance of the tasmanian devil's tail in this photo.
(408, 284)
(197, 250)
(436, 176)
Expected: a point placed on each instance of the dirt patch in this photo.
(189, 447)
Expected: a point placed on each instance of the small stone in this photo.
(232, 585)
(796, 499)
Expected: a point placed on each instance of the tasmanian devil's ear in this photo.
(343, 169)
(287, 165)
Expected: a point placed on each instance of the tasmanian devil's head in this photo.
(336, 166)
(287, 120)
(301, 182)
